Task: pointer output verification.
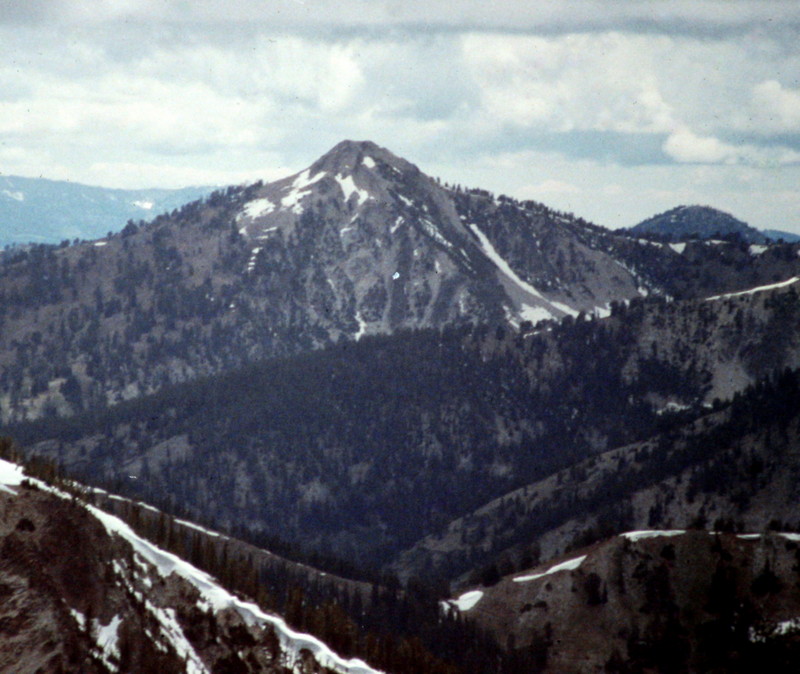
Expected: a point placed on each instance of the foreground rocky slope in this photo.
(82, 592)
(661, 601)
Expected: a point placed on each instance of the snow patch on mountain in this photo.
(434, 233)
(654, 533)
(256, 208)
(171, 629)
(369, 162)
(512, 276)
(144, 205)
(79, 618)
(501, 264)
(468, 600)
(16, 196)
(362, 326)
(788, 626)
(106, 638)
(251, 263)
(349, 188)
(267, 232)
(297, 190)
(534, 314)
(569, 565)
(603, 311)
(759, 289)
(11, 475)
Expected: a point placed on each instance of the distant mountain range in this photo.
(704, 222)
(444, 386)
(359, 243)
(778, 235)
(37, 210)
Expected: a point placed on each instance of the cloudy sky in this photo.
(611, 110)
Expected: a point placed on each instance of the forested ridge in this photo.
(318, 449)
(730, 468)
(732, 451)
(330, 442)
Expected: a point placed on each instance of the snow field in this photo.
(759, 289)
(569, 565)
(639, 535)
(509, 273)
(349, 188)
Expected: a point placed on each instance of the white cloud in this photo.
(685, 146)
(550, 186)
(216, 91)
(468, 14)
(577, 82)
(776, 107)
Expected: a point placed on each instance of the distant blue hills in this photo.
(704, 222)
(37, 210)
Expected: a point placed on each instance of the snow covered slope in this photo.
(132, 587)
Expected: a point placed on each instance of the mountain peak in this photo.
(348, 145)
(704, 222)
(348, 155)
